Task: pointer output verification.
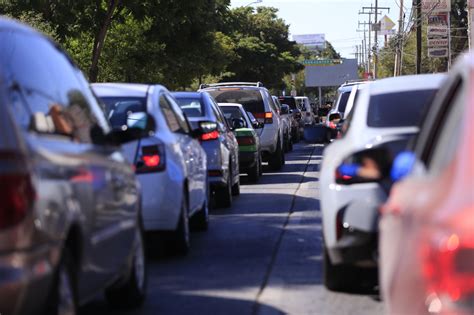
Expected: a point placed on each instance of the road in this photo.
(261, 257)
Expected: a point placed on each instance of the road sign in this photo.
(311, 40)
(322, 62)
(386, 23)
(435, 6)
(438, 52)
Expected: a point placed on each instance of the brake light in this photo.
(213, 135)
(268, 118)
(246, 140)
(17, 193)
(340, 177)
(152, 159)
(448, 267)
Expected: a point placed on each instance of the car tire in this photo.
(223, 195)
(63, 297)
(296, 135)
(131, 294)
(236, 188)
(200, 221)
(180, 242)
(275, 160)
(255, 171)
(290, 145)
(336, 277)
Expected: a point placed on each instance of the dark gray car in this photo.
(69, 216)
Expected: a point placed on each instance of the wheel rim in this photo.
(66, 295)
(139, 264)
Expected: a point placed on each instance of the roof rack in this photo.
(257, 84)
(351, 82)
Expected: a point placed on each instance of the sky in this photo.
(337, 19)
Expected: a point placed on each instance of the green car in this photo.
(244, 125)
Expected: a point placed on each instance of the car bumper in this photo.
(358, 248)
(26, 278)
(247, 160)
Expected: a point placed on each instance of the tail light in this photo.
(152, 159)
(16, 189)
(213, 135)
(448, 269)
(214, 173)
(340, 223)
(266, 118)
(246, 140)
(340, 178)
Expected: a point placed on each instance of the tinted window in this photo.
(183, 123)
(251, 99)
(48, 96)
(192, 107)
(402, 109)
(288, 100)
(117, 109)
(341, 106)
(233, 112)
(169, 115)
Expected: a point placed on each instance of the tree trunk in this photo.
(100, 38)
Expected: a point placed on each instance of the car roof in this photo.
(183, 94)
(230, 104)
(7, 23)
(123, 89)
(407, 83)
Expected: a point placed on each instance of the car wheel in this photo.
(181, 239)
(132, 292)
(291, 144)
(336, 277)
(236, 188)
(200, 221)
(275, 160)
(255, 172)
(223, 195)
(63, 296)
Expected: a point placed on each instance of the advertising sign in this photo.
(438, 42)
(437, 31)
(438, 52)
(318, 40)
(322, 62)
(435, 6)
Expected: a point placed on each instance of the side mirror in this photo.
(138, 125)
(370, 165)
(238, 123)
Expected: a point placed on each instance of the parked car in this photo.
(297, 128)
(218, 141)
(256, 99)
(387, 113)
(250, 158)
(427, 224)
(307, 114)
(70, 225)
(170, 164)
(286, 121)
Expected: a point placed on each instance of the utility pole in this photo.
(366, 49)
(398, 56)
(376, 40)
(417, 4)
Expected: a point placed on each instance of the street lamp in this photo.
(257, 1)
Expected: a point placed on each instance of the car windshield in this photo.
(118, 109)
(401, 109)
(192, 107)
(290, 101)
(250, 99)
(231, 112)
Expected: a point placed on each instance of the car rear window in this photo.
(251, 100)
(341, 106)
(290, 101)
(117, 109)
(231, 112)
(192, 107)
(401, 109)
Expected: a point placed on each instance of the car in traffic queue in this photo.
(217, 140)
(286, 121)
(250, 157)
(427, 224)
(170, 164)
(297, 127)
(255, 98)
(70, 220)
(387, 114)
(307, 114)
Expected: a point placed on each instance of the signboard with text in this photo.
(438, 52)
(311, 40)
(435, 6)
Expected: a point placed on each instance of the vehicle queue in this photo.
(115, 165)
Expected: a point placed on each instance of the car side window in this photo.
(47, 95)
(448, 131)
(221, 121)
(170, 117)
(183, 124)
(272, 104)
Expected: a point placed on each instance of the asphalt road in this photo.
(262, 256)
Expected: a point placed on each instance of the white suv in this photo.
(256, 99)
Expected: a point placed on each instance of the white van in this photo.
(306, 112)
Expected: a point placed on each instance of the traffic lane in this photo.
(228, 264)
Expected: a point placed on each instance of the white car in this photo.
(171, 165)
(307, 114)
(386, 112)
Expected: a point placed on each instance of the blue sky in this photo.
(338, 19)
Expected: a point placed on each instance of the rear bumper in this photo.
(247, 160)
(357, 248)
(26, 278)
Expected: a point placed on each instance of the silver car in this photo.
(70, 224)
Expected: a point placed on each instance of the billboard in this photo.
(325, 75)
(311, 40)
(435, 6)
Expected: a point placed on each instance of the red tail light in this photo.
(340, 177)
(16, 190)
(152, 159)
(213, 135)
(266, 118)
(246, 140)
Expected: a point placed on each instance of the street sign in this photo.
(435, 6)
(438, 42)
(322, 62)
(386, 23)
(311, 40)
(438, 52)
